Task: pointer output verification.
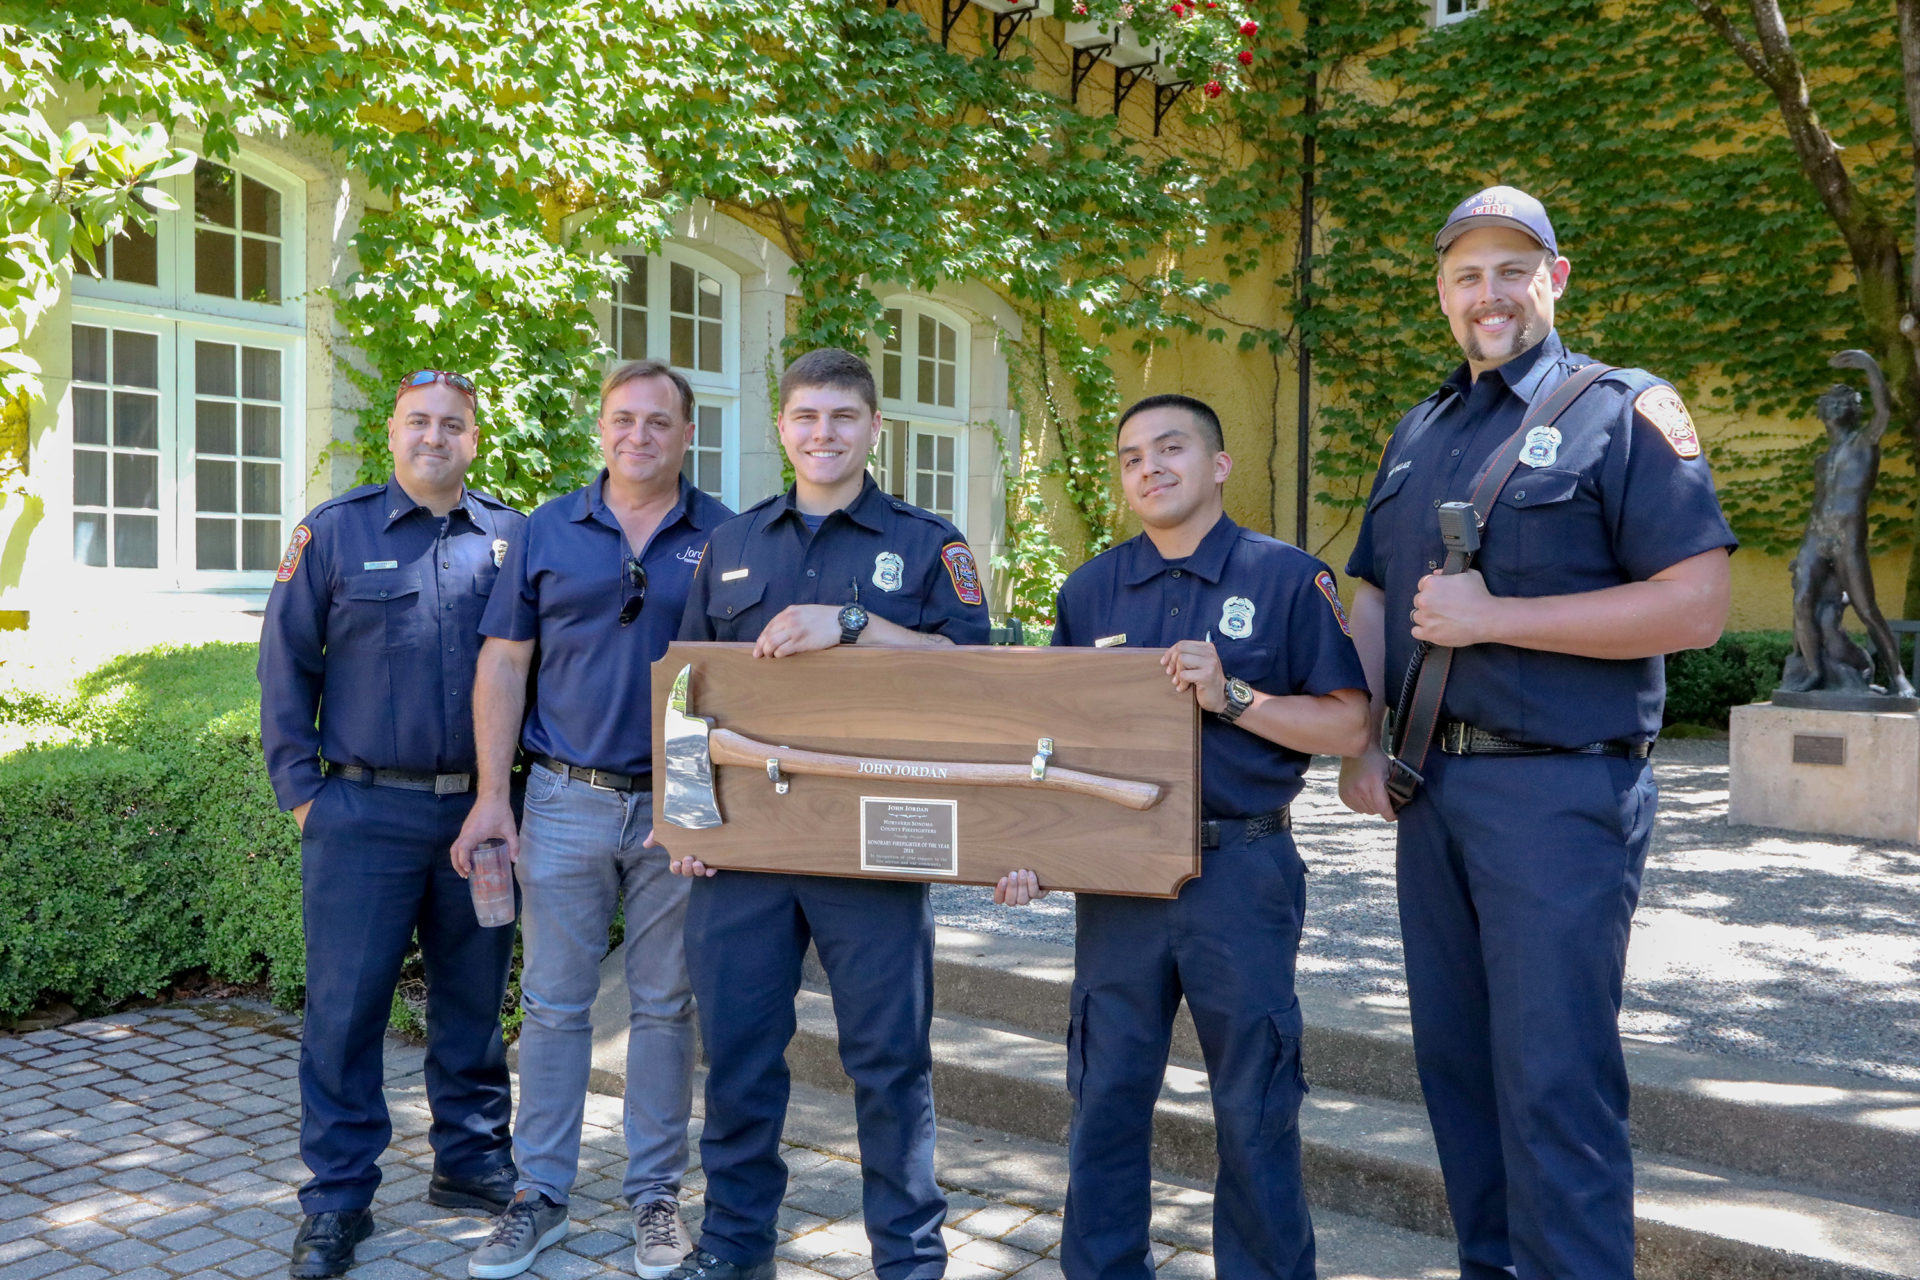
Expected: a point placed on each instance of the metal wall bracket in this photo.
(1006, 24)
(950, 11)
(777, 778)
(1124, 78)
(1164, 96)
(1038, 770)
(1083, 60)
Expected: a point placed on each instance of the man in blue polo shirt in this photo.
(588, 598)
(1253, 629)
(366, 659)
(831, 561)
(1520, 852)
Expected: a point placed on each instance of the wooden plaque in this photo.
(1111, 712)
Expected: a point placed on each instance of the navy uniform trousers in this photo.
(1227, 944)
(747, 935)
(1518, 879)
(374, 869)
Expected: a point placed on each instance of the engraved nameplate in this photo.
(1819, 748)
(903, 834)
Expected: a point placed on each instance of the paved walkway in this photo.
(1749, 941)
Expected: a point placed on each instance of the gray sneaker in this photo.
(660, 1239)
(524, 1228)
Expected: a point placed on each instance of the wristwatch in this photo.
(1239, 698)
(853, 620)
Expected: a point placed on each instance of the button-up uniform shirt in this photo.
(1271, 611)
(1614, 499)
(563, 586)
(896, 561)
(371, 635)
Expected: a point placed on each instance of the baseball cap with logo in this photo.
(1498, 207)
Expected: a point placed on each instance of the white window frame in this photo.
(178, 316)
(1444, 13)
(718, 390)
(179, 507)
(893, 468)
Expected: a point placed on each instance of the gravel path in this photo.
(1749, 941)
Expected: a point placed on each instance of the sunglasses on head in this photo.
(636, 581)
(427, 377)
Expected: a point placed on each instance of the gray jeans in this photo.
(580, 852)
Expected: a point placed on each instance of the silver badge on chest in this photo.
(888, 569)
(1542, 446)
(1236, 618)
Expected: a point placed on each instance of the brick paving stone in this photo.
(167, 1224)
(40, 1264)
(154, 1072)
(125, 1255)
(211, 1254)
(14, 1250)
(47, 1184)
(991, 1221)
(82, 1237)
(134, 1180)
(994, 1255)
(255, 1262)
(1045, 1269)
(191, 1238)
(1038, 1234)
(19, 1229)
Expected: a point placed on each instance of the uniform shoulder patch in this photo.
(295, 546)
(1663, 407)
(1324, 581)
(958, 558)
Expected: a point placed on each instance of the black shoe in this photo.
(491, 1192)
(324, 1244)
(701, 1265)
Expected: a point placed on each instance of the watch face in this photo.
(1240, 691)
(853, 618)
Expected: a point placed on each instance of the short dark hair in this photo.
(631, 370)
(830, 367)
(1203, 414)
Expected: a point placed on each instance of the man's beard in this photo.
(1528, 334)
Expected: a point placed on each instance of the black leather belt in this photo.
(1458, 738)
(441, 784)
(1264, 824)
(604, 779)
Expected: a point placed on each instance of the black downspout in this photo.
(1303, 440)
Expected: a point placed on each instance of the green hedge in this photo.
(147, 844)
(1703, 685)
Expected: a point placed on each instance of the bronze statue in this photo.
(1831, 570)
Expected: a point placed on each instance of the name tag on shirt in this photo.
(1110, 642)
(733, 575)
(381, 564)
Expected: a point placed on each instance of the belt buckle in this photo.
(1453, 738)
(451, 784)
(593, 780)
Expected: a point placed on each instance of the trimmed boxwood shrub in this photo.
(1704, 685)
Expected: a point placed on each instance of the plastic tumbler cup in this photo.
(492, 883)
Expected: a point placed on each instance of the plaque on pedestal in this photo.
(954, 765)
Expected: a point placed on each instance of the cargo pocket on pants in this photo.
(1287, 1079)
(1077, 1045)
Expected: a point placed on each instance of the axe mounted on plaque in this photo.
(694, 748)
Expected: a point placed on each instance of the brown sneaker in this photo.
(660, 1239)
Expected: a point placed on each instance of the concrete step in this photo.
(1373, 1158)
(1826, 1130)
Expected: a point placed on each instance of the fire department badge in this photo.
(888, 570)
(1236, 618)
(499, 552)
(291, 560)
(1663, 407)
(1541, 447)
(964, 573)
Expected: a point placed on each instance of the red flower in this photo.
(1213, 89)
(1179, 11)
(1246, 57)
(1248, 28)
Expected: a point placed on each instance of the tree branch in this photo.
(1749, 52)
(1910, 76)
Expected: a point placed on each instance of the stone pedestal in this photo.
(1852, 773)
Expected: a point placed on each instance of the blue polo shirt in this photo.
(1271, 611)
(563, 586)
(900, 563)
(371, 634)
(1618, 497)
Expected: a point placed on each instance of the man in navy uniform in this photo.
(831, 561)
(589, 596)
(1520, 855)
(366, 684)
(1277, 676)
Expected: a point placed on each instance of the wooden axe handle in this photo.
(724, 746)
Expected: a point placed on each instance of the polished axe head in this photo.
(689, 799)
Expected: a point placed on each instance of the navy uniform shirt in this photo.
(564, 584)
(906, 565)
(1271, 611)
(1622, 494)
(373, 627)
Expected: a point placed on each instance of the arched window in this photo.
(684, 308)
(184, 392)
(921, 354)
